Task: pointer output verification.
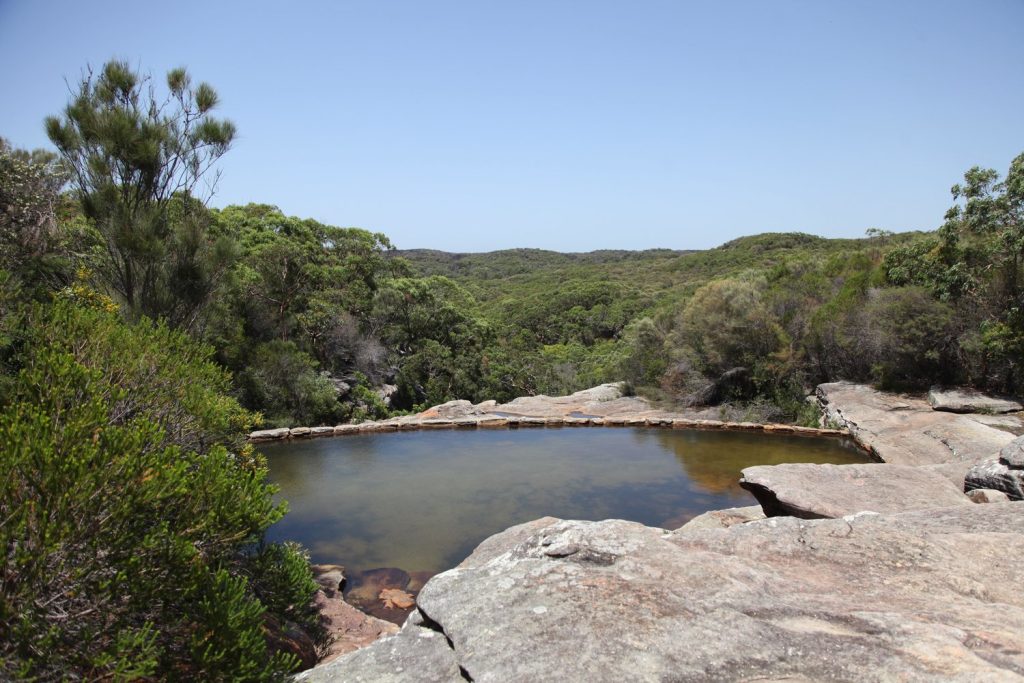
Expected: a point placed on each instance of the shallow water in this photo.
(423, 500)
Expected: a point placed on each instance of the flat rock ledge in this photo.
(971, 401)
(829, 491)
(602, 406)
(930, 595)
(904, 430)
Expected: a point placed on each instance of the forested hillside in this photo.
(142, 333)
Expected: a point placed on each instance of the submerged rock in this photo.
(376, 592)
(816, 491)
(970, 401)
(924, 595)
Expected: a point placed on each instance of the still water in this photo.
(423, 500)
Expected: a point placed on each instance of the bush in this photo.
(132, 548)
(283, 382)
(908, 337)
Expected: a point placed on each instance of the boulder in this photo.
(993, 473)
(1012, 454)
(987, 496)
(904, 430)
(815, 491)
(348, 629)
(930, 595)
(269, 434)
(331, 577)
(454, 409)
(299, 432)
(970, 401)
(385, 392)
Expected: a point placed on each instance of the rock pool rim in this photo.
(509, 421)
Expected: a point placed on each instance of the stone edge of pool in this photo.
(603, 406)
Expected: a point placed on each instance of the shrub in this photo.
(132, 547)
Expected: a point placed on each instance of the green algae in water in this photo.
(423, 500)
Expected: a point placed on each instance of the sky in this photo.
(474, 126)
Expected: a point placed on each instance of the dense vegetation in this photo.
(142, 333)
(131, 511)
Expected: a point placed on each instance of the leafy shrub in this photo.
(283, 381)
(132, 546)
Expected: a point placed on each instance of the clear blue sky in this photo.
(472, 126)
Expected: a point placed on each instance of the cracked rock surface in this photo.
(904, 430)
(922, 595)
(816, 491)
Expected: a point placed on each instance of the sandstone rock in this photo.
(453, 409)
(321, 431)
(331, 577)
(970, 401)
(298, 432)
(993, 473)
(722, 519)
(417, 653)
(814, 491)
(1012, 454)
(385, 392)
(347, 627)
(1007, 423)
(346, 429)
(905, 430)
(987, 496)
(269, 434)
(925, 596)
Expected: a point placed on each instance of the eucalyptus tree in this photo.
(142, 161)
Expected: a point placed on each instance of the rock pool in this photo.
(421, 501)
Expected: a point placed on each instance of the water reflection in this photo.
(422, 501)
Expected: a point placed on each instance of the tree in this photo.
(976, 261)
(136, 160)
(33, 246)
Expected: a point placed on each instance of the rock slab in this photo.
(904, 430)
(828, 491)
(926, 596)
(970, 401)
(721, 519)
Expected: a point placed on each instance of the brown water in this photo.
(423, 500)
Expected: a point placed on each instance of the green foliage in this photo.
(727, 325)
(908, 338)
(135, 160)
(39, 235)
(128, 526)
(976, 263)
(283, 382)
